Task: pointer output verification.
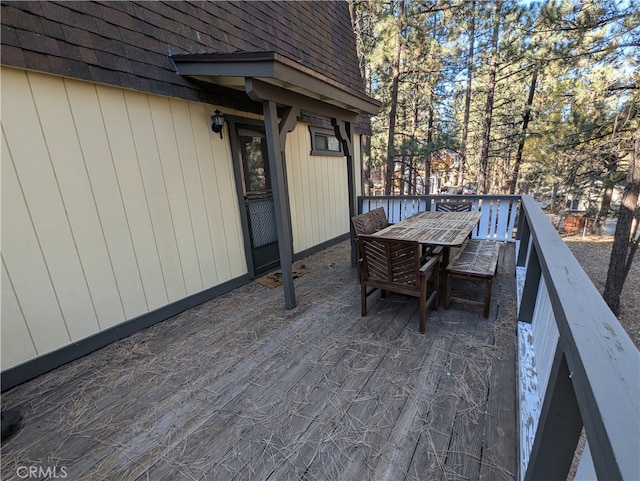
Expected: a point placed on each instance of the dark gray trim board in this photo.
(50, 361)
(320, 247)
(274, 69)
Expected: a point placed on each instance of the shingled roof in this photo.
(130, 44)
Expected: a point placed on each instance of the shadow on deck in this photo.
(240, 388)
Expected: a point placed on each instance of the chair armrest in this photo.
(429, 265)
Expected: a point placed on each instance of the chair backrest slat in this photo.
(453, 206)
(390, 261)
(370, 222)
(363, 224)
(380, 218)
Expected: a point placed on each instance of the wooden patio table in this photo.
(446, 229)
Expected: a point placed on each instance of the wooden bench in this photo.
(477, 261)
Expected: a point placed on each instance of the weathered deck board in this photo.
(430, 460)
(240, 388)
(348, 378)
(375, 409)
(340, 375)
(497, 448)
(465, 448)
(398, 454)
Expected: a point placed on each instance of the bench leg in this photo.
(436, 284)
(444, 279)
(423, 303)
(363, 299)
(447, 289)
(487, 298)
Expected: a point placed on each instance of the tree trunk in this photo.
(605, 205)
(624, 244)
(395, 81)
(525, 124)
(467, 97)
(608, 184)
(415, 159)
(427, 167)
(483, 184)
(366, 165)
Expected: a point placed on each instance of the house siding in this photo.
(122, 202)
(115, 203)
(119, 206)
(318, 192)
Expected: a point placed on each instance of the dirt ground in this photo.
(593, 253)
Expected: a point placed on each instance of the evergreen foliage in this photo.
(514, 96)
(564, 91)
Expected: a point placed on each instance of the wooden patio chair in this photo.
(453, 206)
(363, 224)
(369, 222)
(380, 218)
(366, 224)
(394, 265)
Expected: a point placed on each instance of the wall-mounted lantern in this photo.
(217, 122)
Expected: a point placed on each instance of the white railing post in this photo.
(498, 212)
(531, 284)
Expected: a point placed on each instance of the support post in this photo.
(531, 286)
(281, 199)
(559, 426)
(524, 236)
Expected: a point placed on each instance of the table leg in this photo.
(444, 284)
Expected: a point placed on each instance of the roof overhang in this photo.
(280, 79)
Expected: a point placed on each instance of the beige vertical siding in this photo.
(318, 192)
(114, 203)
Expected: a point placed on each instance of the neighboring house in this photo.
(120, 206)
(444, 176)
(445, 172)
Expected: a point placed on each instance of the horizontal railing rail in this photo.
(499, 212)
(586, 369)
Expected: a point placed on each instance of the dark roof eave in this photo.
(279, 70)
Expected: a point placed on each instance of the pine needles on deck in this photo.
(240, 388)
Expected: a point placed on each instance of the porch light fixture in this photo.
(218, 122)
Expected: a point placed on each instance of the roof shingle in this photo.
(129, 44)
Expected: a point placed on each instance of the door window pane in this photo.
(255, 162)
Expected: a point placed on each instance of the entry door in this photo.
(258, 198)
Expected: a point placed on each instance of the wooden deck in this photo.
(241, 389)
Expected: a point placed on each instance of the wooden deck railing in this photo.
(578, 368)
(586, 366)
(498, 220)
